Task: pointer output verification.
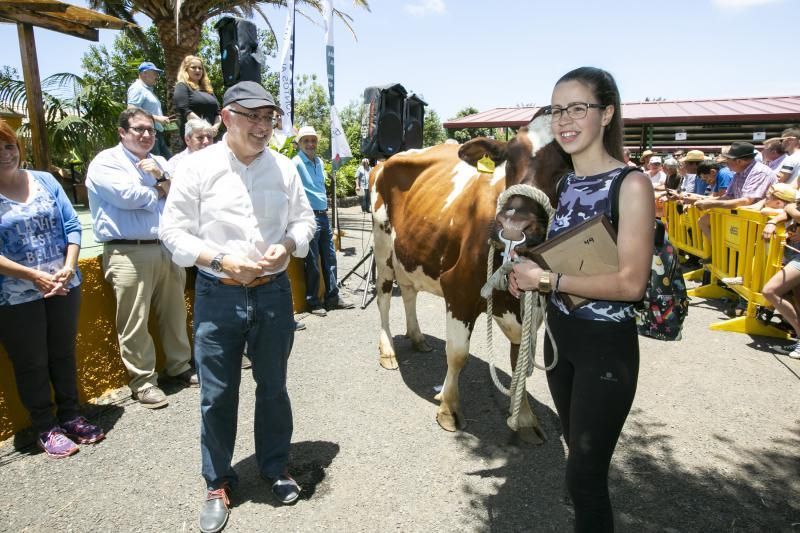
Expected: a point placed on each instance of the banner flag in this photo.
(327, 7)
(286, 88)
(340, 148)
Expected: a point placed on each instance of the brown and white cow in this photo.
(433, 215)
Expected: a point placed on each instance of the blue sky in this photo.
(510, 52)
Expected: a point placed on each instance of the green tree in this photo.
(193, 15)
(465, 134)
(432, 131)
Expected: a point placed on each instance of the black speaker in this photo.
(238, 41)
(382, 120)
(413, 121)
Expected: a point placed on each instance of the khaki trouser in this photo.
(143, 275)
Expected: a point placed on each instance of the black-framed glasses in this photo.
(255, 118)
(575, 110)
(141, 131)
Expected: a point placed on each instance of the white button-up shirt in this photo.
(218, 203)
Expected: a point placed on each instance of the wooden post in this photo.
(33, 91)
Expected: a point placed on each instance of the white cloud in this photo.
(742, 4)
(420, 8)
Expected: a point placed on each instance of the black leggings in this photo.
(593, 386)
(39, 337)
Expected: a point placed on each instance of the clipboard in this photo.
(587, 249)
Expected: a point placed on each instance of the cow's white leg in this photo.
(413, 331)
(384, 277)
(457, 348)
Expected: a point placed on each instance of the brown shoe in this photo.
(151, 398)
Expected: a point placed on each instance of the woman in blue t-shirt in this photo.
(594, 382)
(40, 237)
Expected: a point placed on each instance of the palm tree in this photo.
(193, 14)
(80, 116)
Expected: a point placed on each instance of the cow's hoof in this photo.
(421, 346)
(532, 435)
(389, 362)
(450, 422)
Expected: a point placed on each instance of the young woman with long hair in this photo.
(194, 96)
(594, 382)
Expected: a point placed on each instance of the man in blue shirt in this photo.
(312, 173)
(141, 95)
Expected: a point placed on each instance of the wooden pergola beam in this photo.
(49, 22)
(33, 90)
(46, 5)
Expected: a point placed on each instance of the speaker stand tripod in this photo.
(367, 280)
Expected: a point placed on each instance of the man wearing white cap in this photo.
(312, 172)
(654, 171)
(142, 95)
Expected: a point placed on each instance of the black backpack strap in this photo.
(613, 193)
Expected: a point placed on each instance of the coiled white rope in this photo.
(533, 314)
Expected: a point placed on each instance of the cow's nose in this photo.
(511, 234)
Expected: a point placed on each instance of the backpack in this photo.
(662, 310)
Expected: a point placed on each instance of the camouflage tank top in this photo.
(582, 198)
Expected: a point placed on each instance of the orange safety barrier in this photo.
(685, 235)
(743, 261)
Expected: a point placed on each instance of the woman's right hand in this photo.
(47, 284)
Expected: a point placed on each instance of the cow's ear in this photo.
(472, 151)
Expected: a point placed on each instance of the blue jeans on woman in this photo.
(225, 317)
(321, 246)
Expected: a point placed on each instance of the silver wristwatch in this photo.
(216, 263)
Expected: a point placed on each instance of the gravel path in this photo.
(711, 444)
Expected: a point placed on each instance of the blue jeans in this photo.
(321, 246)
(225, 317)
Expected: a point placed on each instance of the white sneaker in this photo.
(795, 354)
(732, 281)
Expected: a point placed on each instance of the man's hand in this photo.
(240, 269)
(274, 257)
(769, 231)
(161, 119)
(150, 166)
(704, 204)
(163, 188)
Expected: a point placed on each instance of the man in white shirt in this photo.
(198, 134)
(790, 167)
(237, 210)
(127, 187)
(655, 172)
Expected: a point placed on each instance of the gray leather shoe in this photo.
(151, 398)
(214, 514)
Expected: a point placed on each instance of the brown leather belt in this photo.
(133, 241)
(263, 280)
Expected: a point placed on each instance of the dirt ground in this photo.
(711, 444)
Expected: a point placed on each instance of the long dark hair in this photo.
(605, 90)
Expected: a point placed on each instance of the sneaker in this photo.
(319, 311)
(187, 378)
(795, 354)
(55, 444)
(732, 281)
(81, 431)
(340, 302)
(215, 511)
(285, 489)
(299, 326)
(151, 398)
